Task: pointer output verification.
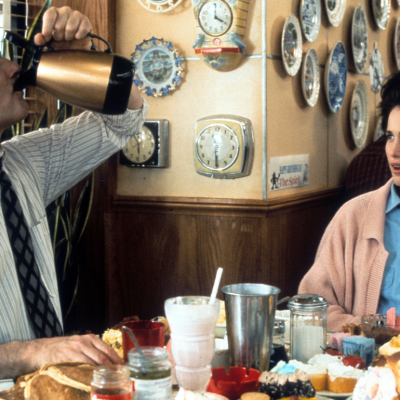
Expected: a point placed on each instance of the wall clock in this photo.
(159, 6)
(149, 147)
(375, 70)
(220, 28)
(223, 146)
(158, 67)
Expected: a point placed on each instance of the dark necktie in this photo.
(40, 309)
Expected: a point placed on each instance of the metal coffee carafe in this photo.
(91, 80)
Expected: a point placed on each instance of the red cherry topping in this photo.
(354, 361)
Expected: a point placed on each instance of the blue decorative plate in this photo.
(157, 67)
(359, 114)
(359, 38)
(336, 77)
(291, 45)
(310, 18)
(375, 70)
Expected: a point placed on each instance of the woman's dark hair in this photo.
(390, 94)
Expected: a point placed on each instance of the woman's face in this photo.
(393, 144)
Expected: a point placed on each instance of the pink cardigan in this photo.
(350, 260)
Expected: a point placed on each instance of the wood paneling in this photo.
(159, 249)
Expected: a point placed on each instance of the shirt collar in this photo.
(393, 200)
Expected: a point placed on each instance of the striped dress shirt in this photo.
(42, 165)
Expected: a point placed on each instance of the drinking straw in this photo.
(216, 285)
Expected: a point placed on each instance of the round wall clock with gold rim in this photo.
(223, 146)
(220, 29)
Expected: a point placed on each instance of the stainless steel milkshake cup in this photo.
(250, 314)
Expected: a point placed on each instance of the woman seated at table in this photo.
(357, 266)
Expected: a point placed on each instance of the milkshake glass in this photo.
(192, 321)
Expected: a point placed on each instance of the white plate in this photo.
(396, 44)
(310, 18)
(336, 77)
(375, 70)
(291, 45)
(381, 11)
(310, 77)
(359, 114)
(327, 393)
(335, 10)
(359, 38)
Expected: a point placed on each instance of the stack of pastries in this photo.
(61, 381)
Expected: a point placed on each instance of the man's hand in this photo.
(66, 28)
(23, 357)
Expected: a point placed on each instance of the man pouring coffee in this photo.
(35, 169)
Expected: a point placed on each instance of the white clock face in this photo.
(141, 147)
(217, 147)
(215, 17)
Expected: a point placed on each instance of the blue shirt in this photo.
(390, 289)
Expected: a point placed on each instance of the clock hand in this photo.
(215, 13)
(137, 143)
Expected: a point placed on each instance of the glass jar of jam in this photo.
(151, 374)
(111, 382)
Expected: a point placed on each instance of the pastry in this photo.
(392, 346)
(393, 362)
(317, 374)
(376, 384)
(61, 381)
(287, 381)
(254, 396)
(341, 378)
(113, 337)
(323, 360)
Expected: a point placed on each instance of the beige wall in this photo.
(287, 127)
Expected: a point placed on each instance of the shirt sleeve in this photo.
(65, 153)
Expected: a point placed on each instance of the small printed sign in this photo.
(288, 172)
